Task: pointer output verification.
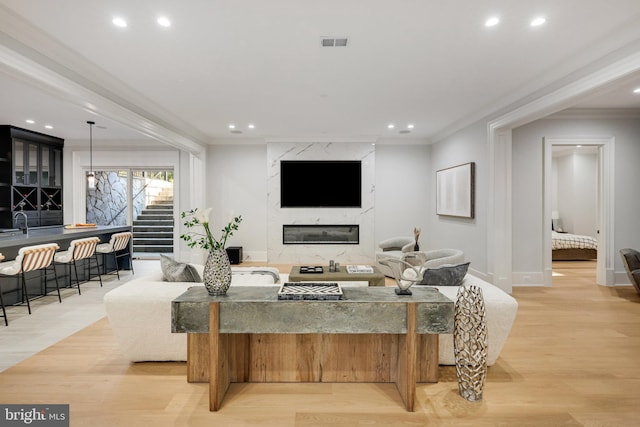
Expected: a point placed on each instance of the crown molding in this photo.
(543, 96)
(569, 94)
(22, 56)
(596, 113)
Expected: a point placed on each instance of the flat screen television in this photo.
(321, 184)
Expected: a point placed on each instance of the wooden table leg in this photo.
(218, 359)
(198, 358)
(406, 371)
(427, 364)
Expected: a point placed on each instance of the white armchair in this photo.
(394, 247)
(434, 258)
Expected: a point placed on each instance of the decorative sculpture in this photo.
(470, 342)
(404, 273)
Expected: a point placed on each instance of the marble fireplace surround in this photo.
(363, 217)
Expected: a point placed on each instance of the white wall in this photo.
(469, 235)
(236, 182)
(576, 191)
(527, 157)
(403, 191)
(527, 184)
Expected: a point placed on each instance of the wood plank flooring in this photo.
(571, 359)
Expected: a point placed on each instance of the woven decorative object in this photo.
(470, 342)
(217, 272)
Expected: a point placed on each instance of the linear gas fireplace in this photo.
(314, 234)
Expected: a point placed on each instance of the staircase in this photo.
(153, 229)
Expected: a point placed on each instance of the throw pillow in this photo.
(446, 275)
(174, 271)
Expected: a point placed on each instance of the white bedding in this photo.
(572, 241)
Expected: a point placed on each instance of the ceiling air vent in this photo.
(334, 41)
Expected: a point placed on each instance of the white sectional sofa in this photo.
(139, 312)
(140, 315)
(500, 312)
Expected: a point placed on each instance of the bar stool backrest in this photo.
(83, 248)
(35, 257)
(119, 241)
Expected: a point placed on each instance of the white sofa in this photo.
(139, 312)
(500, 312)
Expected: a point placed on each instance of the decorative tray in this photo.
(310, 291)
(310, 269)
(72, 226)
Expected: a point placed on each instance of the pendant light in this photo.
(91, 177)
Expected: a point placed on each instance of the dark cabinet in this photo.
(30, 178)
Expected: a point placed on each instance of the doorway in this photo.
(583, 219)
(574, 204)
(142, 198)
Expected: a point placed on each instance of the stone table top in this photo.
(363, 310)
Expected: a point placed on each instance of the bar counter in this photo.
(11, 242)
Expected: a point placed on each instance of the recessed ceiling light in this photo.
(232, 126)
(578, 146)
(30, 121)
(163, 21)
(390, 126)
(48, 127)
(251, 126)
(636, 90)
(410, 126)
(538, 21)
(119, 22)
(491, 22)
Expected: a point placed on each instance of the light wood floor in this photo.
(571, 359)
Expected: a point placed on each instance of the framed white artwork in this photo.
(455, 191)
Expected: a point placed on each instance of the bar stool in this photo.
(4, 311)
(79, 249)
(30, 258)
(118, 246)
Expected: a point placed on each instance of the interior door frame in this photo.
(605, 199)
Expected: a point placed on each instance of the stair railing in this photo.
(144, 187)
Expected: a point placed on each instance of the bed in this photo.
(573, 247)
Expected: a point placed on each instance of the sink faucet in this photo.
(25, 230)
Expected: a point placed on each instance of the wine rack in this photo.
(30, 177)
(25, 199)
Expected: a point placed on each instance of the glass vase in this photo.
(217, 272)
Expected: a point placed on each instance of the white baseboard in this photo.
(481, 275)
(534, 278)
(621, 278)
(254, 256)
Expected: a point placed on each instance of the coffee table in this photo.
(375, 279)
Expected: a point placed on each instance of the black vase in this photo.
(416, 247)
